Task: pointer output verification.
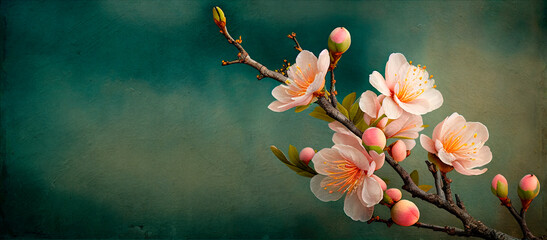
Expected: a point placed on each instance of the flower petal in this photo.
(410, 144)
(306, 58)
(368, 103)
(321, 161)
(372, 192)
(278, 106)
(352, 154)
(324, 61)
(394, 63)
(378, 159)
(445, 157)
(433, 97)
(416, 106)
(354, 208)
(392, 110)
(378, 82)
(458, 167)
(318, 186)
(427, 144)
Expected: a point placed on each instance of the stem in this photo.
(436, 175)
(334, 101)
(520, 218)
(446, 187)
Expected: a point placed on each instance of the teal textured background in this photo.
(119, 122)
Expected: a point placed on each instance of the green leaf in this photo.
(353, 111)
(415, 177)
(301, 108)
(348, 100)
(424, 126)
(404, 138)
(361, 125)
(294, 157)
(425, 187)
(343, 110)
(306, 174)
(319, 113)
(279, 154)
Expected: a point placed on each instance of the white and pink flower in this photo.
(306, 80)
(343, 170)
(459, 144)
(406, 88)
(344, 136)
(405, 127)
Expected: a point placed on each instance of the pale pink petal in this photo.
(416, 106)
(353, 155)
(409, 143)
(278, 106)
(304, 58)
(483, 157)
(349, 140)
(454, 122)
(324, 61)
(427, 144)
(368, 103)
(372, 192)
(447, 158)
(395, 62)
(437, 131)
(433, 97)
(354, 208)
(317, 84)
(280, 93)
(321, 161)
(321, 190)
(458, 167)
(392, 110)
(377, 158)
(378, 82)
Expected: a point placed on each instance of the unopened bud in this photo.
(218, 16)
(306, 155)
(499, 187)
(398, 151)
(405, 213)
(375, 139)
(383, 184)
(528, 189)
(395, 194)
(339, 42)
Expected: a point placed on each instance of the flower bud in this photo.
(383, 184)
(398, 151)
(375, 139)
(306, 155)
(499, 186)
(339, 40)
(218, 16)
(528, 189)
(405, 213)
(395, 194)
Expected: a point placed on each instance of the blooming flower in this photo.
(459, 144)
(306, 80)
(344, 169)
(406, 87)
(405, 127)
(344, 136)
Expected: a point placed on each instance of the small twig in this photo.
(520, 218)
(449, 230)
(459, 202)
(293, 37)
(243, 57)
(446, 188)
(333, 91)
(388, 222)
(436, 175)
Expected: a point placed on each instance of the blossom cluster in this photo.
(406, 92)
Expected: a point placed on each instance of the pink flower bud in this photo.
(382, 123)
(374, 137)
(398, 151)
(528, 187)
(395, 194)
(306, 155)
(405, 213)
(499, 186)
(383, 184)
(339, 40)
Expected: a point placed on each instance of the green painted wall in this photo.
(119, 122)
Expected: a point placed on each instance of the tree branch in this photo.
(520, 218)
(446, 187)
(333, 91)
(436, 175)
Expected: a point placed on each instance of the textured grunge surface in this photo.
(117, 120)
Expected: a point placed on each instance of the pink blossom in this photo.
(405, 127)
(345, 137)
(306, 80)
(459, 144)
(344, 169)
(405, 213)
(306, 155)
(406, 88)
(398, 151)
(374, 137)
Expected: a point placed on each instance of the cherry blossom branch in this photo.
(243, 57)
(436, 175)
(459, 202)
(334, 101)
(446, 187)
(520, 218)
(293, 37)
(472, 226)
(447, 229)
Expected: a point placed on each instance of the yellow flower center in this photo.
(347, 177)
(413, 84)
